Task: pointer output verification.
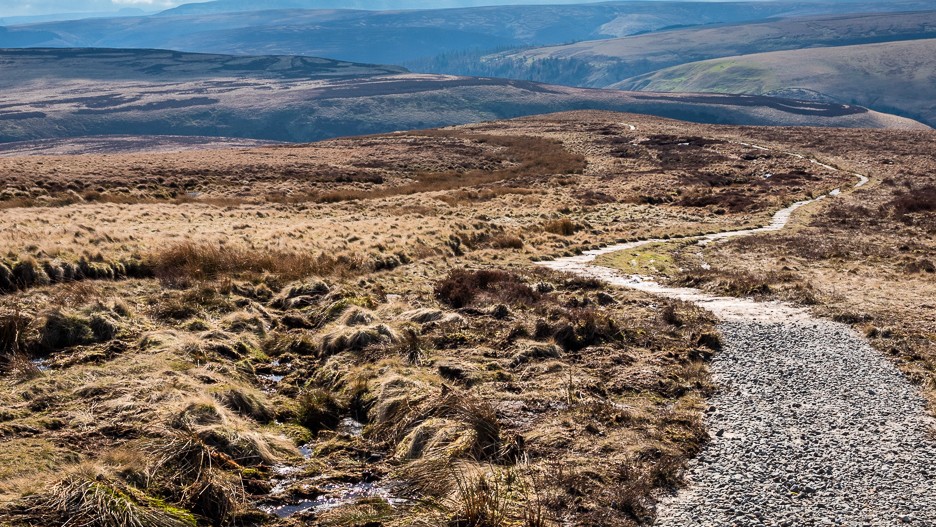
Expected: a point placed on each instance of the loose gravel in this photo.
(811, 426)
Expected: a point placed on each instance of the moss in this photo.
(299, 435)
(186, 517)
(654, 260)
(251, 473)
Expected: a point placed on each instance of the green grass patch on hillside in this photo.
(723, 76)
(653, 260)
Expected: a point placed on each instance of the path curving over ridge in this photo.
(811, 425)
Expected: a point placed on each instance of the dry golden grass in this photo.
(229, 306)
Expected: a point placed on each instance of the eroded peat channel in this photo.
(810, 426)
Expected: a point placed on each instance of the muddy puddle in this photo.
(294, 492)
(42, 365)
(335, 495)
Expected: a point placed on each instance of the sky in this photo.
(45, 7)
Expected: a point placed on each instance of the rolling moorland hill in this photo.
(895, 77)
(405, 36)
(603, 63)
(354, 332)
(129, 92)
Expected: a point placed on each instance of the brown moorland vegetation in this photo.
(219, 347)
(865, 258)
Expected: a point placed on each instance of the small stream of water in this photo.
(327, 494)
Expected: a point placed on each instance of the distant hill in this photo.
(233, 6)
(40, 65)
(602, 63)
(399, 37)
(896, 77)
(122, 144)
(33, 19)
(140, 92)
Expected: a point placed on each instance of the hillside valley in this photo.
(71, 93)
(896, 77)
(605, 63)
(406, 36)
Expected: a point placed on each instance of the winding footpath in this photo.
(811, 426)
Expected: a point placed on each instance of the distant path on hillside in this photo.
(811, 425)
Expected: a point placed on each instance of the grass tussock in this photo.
(90, 498)
(561, 226)
(463, 287)
(196, 475)
(14, 359)
(63, 329)
(424, 423)
(28, 272)
(480, 501)
(187, 262)
(356, 338)
(319, 410)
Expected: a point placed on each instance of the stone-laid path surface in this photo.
(811, 427)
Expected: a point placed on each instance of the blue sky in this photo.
(44, 7)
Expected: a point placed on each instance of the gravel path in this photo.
(811, 426)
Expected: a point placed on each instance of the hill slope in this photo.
(896, 77)
(131, 92)
(395, 37)
(36, 65)
(602, 63)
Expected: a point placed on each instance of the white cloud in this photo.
(46, 7)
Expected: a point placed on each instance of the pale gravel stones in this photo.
(812, 426)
